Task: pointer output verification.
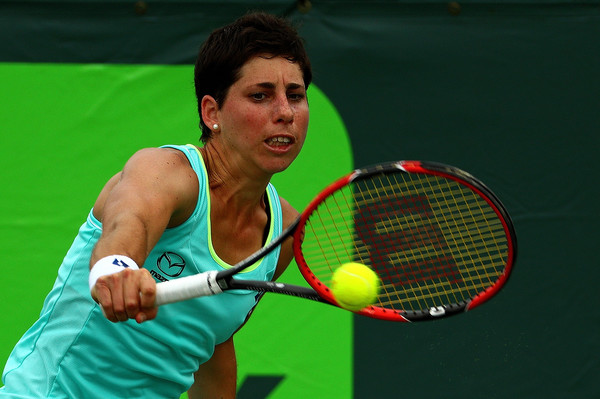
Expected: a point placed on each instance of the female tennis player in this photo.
(171, 212)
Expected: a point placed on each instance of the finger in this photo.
(102, 295)
(147, 297)
(131, 292)
(146, 315)
(117, 305)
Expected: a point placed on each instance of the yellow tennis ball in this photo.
(354, 286)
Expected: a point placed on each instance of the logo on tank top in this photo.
(170, 264)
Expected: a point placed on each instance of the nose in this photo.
(284, 112)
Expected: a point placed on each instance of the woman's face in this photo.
(264, 117)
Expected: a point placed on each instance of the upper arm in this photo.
(289, 214)
(156, 189)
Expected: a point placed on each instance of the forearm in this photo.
(131, 224)
(123, 235)
(123, 291)
(217, 378)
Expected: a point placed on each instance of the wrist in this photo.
(110, 265)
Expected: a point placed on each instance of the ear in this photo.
(210, 109)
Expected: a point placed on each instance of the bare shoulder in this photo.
(288, 213)
(155, 169)
(167, 167)
(163, 174)
(158, 159)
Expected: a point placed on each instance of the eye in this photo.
(258, 96)
(296, 96)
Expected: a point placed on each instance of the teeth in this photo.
(276, 140)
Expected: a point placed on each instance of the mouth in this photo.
(279, 141)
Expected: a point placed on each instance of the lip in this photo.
(278, 145)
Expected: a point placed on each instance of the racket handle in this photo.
(181, 289)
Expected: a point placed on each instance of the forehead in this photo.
(264, 68)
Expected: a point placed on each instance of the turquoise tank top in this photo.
(72, 351)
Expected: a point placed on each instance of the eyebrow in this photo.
(290, 86)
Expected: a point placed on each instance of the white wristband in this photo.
(109, 265)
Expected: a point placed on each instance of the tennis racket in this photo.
(440, 241)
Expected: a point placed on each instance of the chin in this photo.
(279, 165)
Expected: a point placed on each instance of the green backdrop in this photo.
(508, 92)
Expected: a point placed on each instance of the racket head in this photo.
(440, 241)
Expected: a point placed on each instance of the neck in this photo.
(229, 183)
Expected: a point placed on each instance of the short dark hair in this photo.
(227, 49)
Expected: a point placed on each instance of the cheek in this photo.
(302, 118)
(250, 116)
(244, 118)
(253, 120)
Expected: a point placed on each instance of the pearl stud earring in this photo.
(215, 126)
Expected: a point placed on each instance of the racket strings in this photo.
(431, 240)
